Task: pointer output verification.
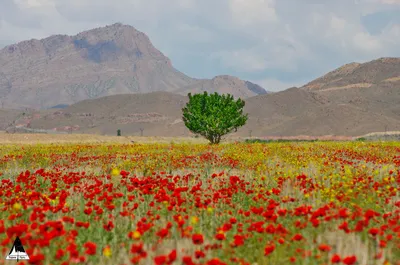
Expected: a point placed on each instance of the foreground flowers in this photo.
(319, 203)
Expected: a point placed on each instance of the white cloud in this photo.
(390, 2)
(337, 23)
(250, 12)
(367, 43)
(275, 85)
(33, 3)
(241, 60)
(197, 33)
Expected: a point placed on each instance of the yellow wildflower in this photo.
(17, 206)
(136, 235)
(194, 220)
(115, 172)
(107, 252)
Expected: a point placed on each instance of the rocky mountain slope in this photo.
(384, 72)
(111, 60)
(372, 87)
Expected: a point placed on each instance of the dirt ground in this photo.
(28, 138)
(16, 138)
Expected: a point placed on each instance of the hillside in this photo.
(111, 60)
(372, 87)
(292, 112)
(299, 112)
(150, 114)
(383, 72)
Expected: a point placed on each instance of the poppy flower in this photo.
(197, 239)
(163, 233)
(220, 236)
(335, 258)
(373, 231)
(324, 248)
(350, 260)
(36, 259)
(297, 237)
(187, 260)
(172, 256)
(238, 240)
(90, 248)
(269, 249)
(160, 260)
(199, 254)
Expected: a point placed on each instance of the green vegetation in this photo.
(213, 116)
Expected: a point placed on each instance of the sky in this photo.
(275, 43)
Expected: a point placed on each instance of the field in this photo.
(193, 203)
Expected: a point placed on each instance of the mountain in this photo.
(154, 113)
(292, 112)
(383, 72)
(372, 87)
(297, 111)
(111, 60)
(353, 100)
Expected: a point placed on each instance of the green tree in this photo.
(213, 115)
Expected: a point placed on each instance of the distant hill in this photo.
(111, 60)
(384, 72)
(293, 112)
(59, 106)
(154, 113)
(297, 111)
(372, 87)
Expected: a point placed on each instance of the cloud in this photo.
(275, 85)
(279, 43)
(365, 42)
(252, 12)
(390, 2)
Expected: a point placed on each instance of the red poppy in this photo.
(238, 240)
(350, 260)
(373, 231)
(220, 236)
(36, 259)
(297, 237)
(160, 260)
(335, 258)
(269, 249)
(187, 260)
(163, 233)
(197, 239)
(215, 261)
(324, 248)
(90, 248)
(109, 226)
(172, 256)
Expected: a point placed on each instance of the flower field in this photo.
(235, 203)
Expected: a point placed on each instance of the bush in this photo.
(361, 139)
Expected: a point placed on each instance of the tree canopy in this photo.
(213, 116)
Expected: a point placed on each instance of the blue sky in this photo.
(275, 43)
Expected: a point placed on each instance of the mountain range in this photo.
(110, 60)
(112, 78)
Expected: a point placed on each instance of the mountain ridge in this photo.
(115, 59)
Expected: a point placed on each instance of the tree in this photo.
(213, 115)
